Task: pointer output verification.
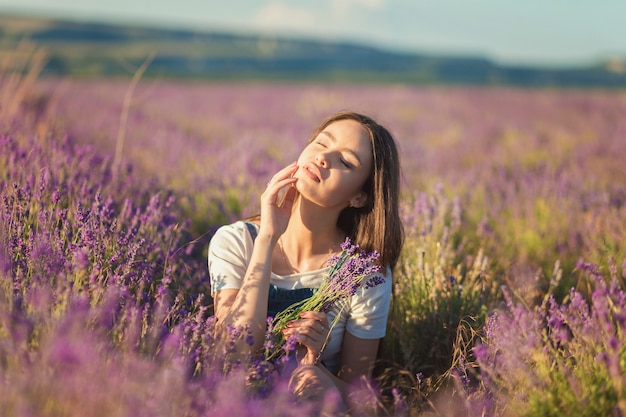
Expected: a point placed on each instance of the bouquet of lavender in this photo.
(347, 272)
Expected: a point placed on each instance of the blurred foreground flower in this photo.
(558, 358)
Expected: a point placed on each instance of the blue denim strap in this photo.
(278, 298)
(252, 229)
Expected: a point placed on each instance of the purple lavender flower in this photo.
(249, 339)
(260, 378)
(374, 281)
(81, 258)
(590, 268)
(480, 352)
(290, 344)
(400, 407)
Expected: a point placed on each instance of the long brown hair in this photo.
(376, 225)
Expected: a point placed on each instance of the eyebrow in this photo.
(334, 140)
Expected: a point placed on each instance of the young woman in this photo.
(345, 183)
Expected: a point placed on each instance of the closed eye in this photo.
(343, 161)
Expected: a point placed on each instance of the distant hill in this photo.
(94, 49)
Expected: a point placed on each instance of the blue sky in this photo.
(530, 32)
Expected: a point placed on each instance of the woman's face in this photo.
(334, 166)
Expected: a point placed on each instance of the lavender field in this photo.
(509, 298)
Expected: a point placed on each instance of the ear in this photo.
(358, 200)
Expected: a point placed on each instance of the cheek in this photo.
(356, 181)
(347, 188)
(302, 159)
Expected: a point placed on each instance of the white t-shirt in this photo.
(364, 314)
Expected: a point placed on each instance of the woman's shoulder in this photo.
(377, 285)
(239, 231)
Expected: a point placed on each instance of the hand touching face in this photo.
(274, 213)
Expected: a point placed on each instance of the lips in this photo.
(312, 172)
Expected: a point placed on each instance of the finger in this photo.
(306, 330)
(315, 315)
(275, 186)
(319, 317)
(320, 327)
(306, 337)
(286, 196)
(286, 172)
(277, 193)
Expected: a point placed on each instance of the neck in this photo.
(311, 236)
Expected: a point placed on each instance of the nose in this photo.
(320, 158)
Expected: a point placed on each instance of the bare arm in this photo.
(358, 357)
(247, 306)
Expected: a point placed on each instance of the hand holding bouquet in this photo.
(348, 271)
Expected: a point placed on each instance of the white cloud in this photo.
(278, 15)
(324, 18)
(342, 9)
